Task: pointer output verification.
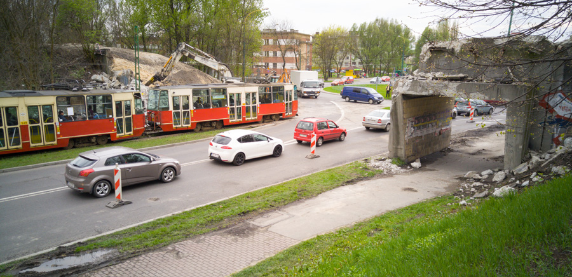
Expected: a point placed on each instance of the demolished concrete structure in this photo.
(527, 73)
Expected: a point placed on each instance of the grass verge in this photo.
(228, 212)
(521, 235)
(62, 154)
(338, 89)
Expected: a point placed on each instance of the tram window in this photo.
(164, 101)
(201, 99)
(138, 104)
(176, 104)
(11, 116)
(185, 102)
(218, 98)
(99, 106)
(265, 95)
(278, 94)
(72, 107)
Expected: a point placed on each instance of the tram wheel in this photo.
(275, 117)
(199, 127)
(101, 140)
(71, 144)
(218, 124)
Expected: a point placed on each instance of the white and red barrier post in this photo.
(118, 191)
(313, 148)
(472, 113)
(117, 182)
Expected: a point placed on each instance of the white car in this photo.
(237, 146)
(377, 119)
(375, 80)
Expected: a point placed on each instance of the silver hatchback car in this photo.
(92, 171)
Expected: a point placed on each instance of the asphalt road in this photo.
(39, 212)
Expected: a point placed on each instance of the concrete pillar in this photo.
(422, 125)
(517, 132)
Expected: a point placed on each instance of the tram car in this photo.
(212, 106)
(37, 120)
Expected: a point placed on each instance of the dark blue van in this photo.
(361, 94)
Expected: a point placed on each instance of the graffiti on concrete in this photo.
(437, 124)
(558, 104)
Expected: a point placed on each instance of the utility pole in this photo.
(137, 65)
(510, 22)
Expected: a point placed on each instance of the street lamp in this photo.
(244, 43)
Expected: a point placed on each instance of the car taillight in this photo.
(226, 147)
(379, 121)
(210, 143)
(86, 172)
(364, 118)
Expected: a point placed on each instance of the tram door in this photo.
(251, 108)
(123, 118)
(289, 97)
(235, 106)
(9, 128)
(41, 125)
(181, 111)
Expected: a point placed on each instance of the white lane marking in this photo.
(195, 162)
(42, 192)
(342, 110)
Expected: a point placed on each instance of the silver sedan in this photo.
(93, 171)
(377, 119)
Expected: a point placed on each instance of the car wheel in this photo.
(320, 141)
(367, 128)
(277, 151)
(491, 111)
(355, 101)
(238, 159)
(370, 101)
(342, 137)
(387, 127)
(168, 174)
(476, 112)
(101, 140)
(454, 115)
(298, 141)
(101, 189)
(198, 128)
(347, 99)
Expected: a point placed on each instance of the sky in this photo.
(311, 16)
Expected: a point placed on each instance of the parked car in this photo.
(237, 146)
(324, 129)
(348, 79)
(93, 171)
(361, 94)
(375, 80)
(377, 119)
(480, 106)
(385, 78)
(337, 82)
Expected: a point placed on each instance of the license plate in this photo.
(215, 155)
(302, 135)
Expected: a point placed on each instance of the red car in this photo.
(348, 79)
(385, 79)
(324, 129)
(337, 82)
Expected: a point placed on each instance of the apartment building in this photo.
(283, 49)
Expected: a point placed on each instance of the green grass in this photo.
(521, 235)
(338, 89)
(205, 219)
(30, 158)
(398, 162)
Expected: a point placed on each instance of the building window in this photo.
(265, 53)
(274, 65)
(353, 63)
(266, 42)
(274, 54)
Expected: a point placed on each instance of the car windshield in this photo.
(220, 139)
(373, 92)
(311, 84)
(82, 162)
(378, 113)
(304, 125)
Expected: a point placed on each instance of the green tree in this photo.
(325, 49)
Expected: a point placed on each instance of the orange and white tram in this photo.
(194, 107)
(36, 120)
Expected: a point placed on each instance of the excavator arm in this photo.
(195, 54)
